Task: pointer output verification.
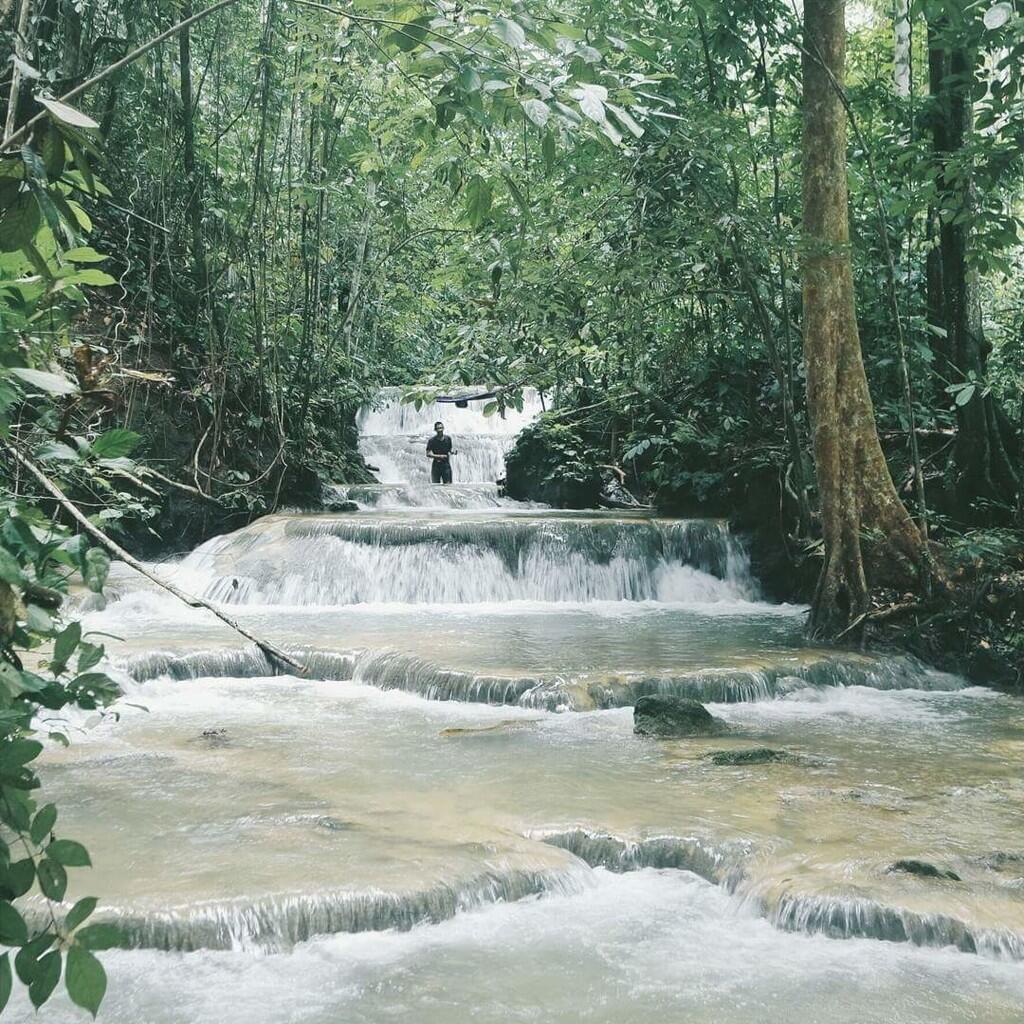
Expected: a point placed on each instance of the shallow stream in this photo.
(449, 817)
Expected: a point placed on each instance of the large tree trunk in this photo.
(986, 454)
(856, 490)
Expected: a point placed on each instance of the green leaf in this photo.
(79, 912)
(410, 35)
(85, 979)
(45, 981)
(547, 148)
(69, 853)
(469, 80)
(537, 111)
(53, 383)
(6, 981)
(98, 936)
(479, 197)
(17, 752)
(65, 646)
(509, 32)
(38, 619)
(84, 254)
(95, 570)
(19, 878)
(998, 15)
(67, 115)
(19, 222)
(92, 276)
(10, 569)
(115, 444)
(53, 879)
(43, 822)
(13, 931)
(26, 963)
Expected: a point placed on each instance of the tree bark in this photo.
(857, 494)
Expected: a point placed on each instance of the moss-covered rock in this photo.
(674, 718)
(552, 462)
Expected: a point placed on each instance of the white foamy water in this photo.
(450, 818)
(393, 437)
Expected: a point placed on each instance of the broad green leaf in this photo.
(509, 32)
(65, 646)
(57, 451)
(410, 35)
(53, 879)
(98, 936)
(67, 115)
(13, 931)
(45, 981)
(19, 222)
(53, 383)
(537, 111)
(92, 277)
(998, 15)
(19, 877)
(548, 151)
(69, 853)
(84, 254)
(43, 822)
(85, 979)
(115, 444)
(591, 99)
(469, 80)
(479, 196)
(80, 912)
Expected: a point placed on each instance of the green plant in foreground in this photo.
(46, 666)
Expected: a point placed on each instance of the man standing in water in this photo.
(439, 451)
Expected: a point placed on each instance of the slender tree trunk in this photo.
(21, 50)
(855, 487)
(901, 49)
(194, 206)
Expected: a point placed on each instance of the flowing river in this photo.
(448, 818)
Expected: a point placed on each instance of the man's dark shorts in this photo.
(440, 471)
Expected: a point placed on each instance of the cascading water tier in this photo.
(452, 789)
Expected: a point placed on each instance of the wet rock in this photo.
(334, 824)
(674, 717)
(341, 505)
(757, 755)
(922, 869)
(214, 737)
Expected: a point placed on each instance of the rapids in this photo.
(449, 816)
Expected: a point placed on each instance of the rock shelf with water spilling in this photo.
(454, 791)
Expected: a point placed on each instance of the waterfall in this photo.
(393, 437)
(470, 558)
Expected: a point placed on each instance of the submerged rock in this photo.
(214, 737)
(674, 717)
(922, 869)
(341, 505)
(759, 755)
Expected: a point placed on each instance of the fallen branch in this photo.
(271, 650)
(892, 611)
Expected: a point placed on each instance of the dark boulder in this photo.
(673, 717)
(922, 869)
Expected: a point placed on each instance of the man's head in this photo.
(439, 428)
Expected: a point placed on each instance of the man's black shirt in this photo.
(440, 445)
